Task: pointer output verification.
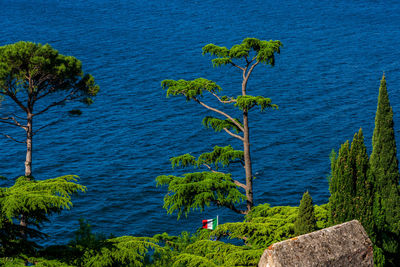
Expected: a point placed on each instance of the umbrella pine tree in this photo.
(200, 189)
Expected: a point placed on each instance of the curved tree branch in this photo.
(231, 207)
(47, 125)
(16, 100)
(240, 184)
(15, 123)
(219, 112)
(234, 135)
(68, 97)
(223, 101)
(9, 137)
(237, 66)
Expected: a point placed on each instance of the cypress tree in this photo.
(341, 186)
(384, 168)
(305, 221)
(350, 184)
(363, 191)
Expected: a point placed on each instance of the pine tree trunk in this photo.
(29, 136)
(246, 150)
(28, 163)
(247, 162)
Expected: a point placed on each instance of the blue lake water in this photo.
(325, 82)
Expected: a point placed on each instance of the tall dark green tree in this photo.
(341, 186)
(385, 171)
(197, 190)
(351, 185)
(363, 187)
(305, 222)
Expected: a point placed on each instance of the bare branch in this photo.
(37, 97)
(210, 169)
(15, 122)
(237, 66)
(22, 118)
(222, 101)
(219, 112)
(240, 184)
(232, 207)
(68, 97)
(9, 137)
(13, 97)
(251, 69)
(234, 135)
(47, 125)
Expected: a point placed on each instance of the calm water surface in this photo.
(325, 82)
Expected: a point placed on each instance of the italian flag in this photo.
(210, 224)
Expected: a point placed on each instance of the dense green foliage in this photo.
(263, 226)
(36, 200)
(351, 185)
(385, 173)
(265, 51)
(306, 221)
(39, 70)
(368, 189)
(198, 190)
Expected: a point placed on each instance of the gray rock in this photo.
(344, 245)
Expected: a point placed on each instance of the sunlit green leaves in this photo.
(197, 190)
(40, 70)
(219, 156)
(214, 50)
(122, 251)
(219, 125)
(183, 161)
(36, 197)
(264, 52)
(247, 102)
(265, 225)
(190, 89)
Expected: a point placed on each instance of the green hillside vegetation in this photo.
(362, 187)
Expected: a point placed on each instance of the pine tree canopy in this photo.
(39, 70)
(265, 51)
(38, 199)
(219, 125)
(197, 190)
(250, 52)
(247, 102)
(190, 89)
(219, 156)
(122, 251)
